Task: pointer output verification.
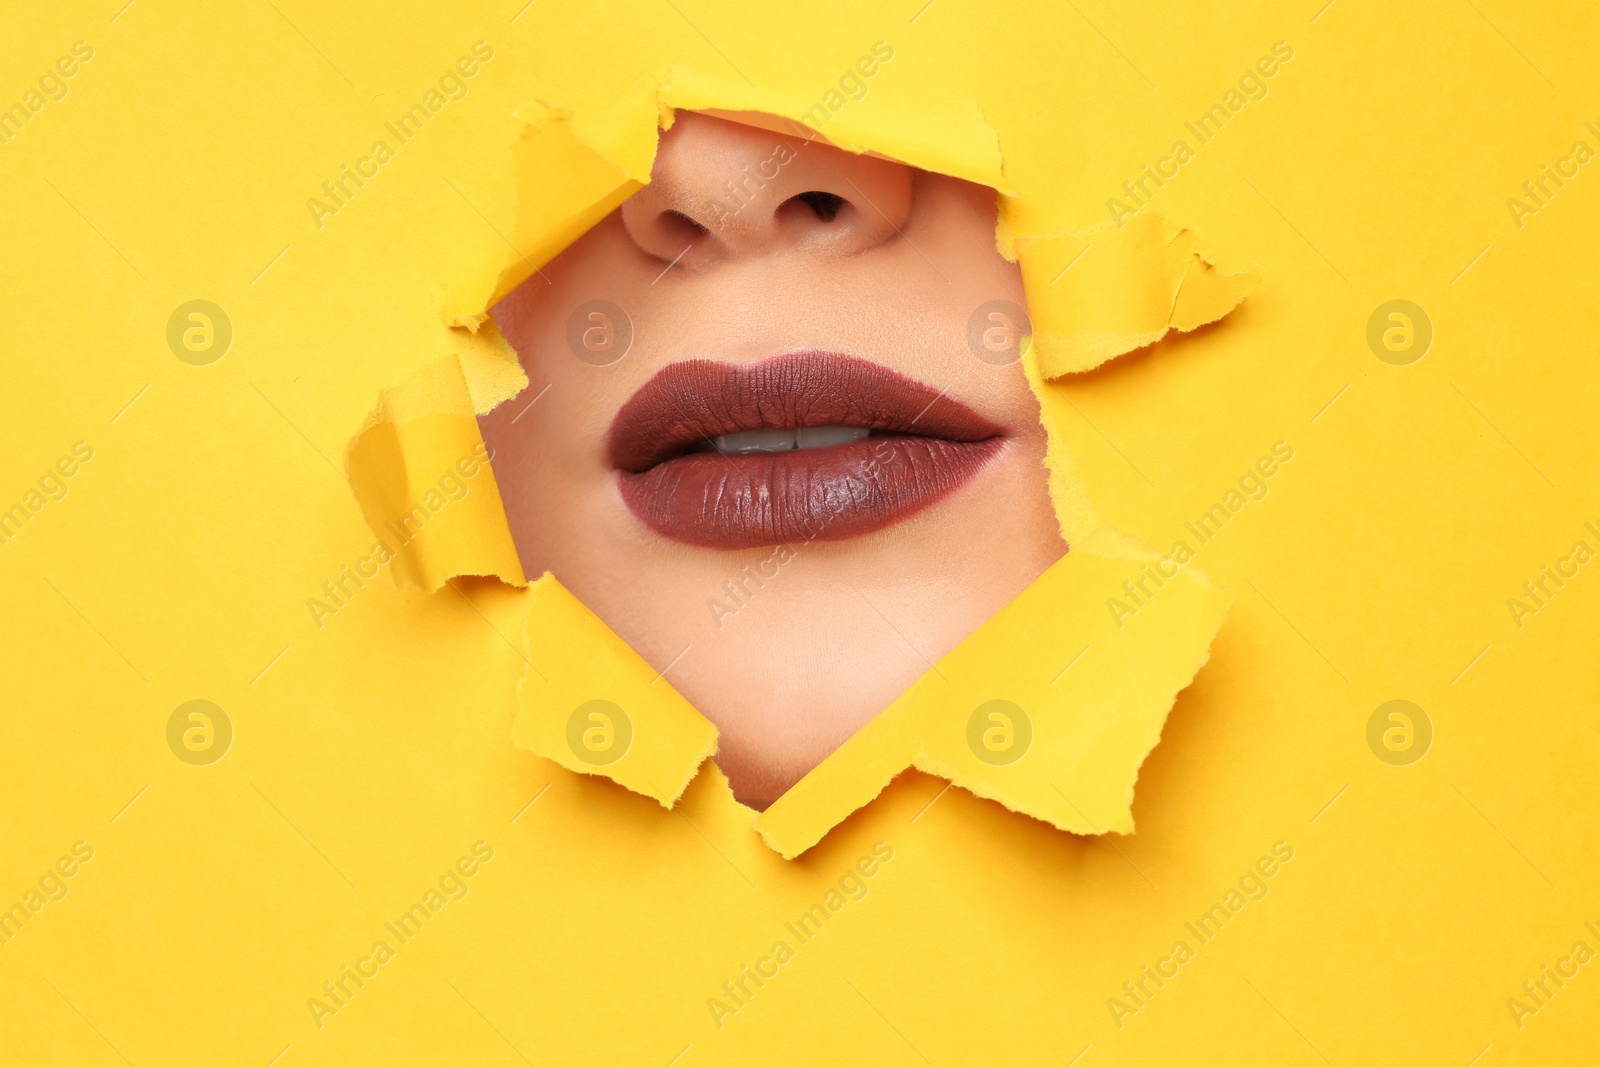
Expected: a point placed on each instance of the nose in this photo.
(720, 190)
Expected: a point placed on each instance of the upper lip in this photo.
(698, 399)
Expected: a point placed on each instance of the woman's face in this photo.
(775, 437)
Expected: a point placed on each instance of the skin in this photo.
(794, 666)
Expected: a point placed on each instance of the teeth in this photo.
(822, 436)
(784, 440)
(755, 441)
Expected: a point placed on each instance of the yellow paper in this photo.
(1343, 890)
(1147, 277)
(595, 707)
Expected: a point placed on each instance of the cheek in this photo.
(980, 215)
(978, 289)
(961, 217)
(575, 326)
(1026, 411)
(549, 441)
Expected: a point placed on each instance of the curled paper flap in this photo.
(1106, 290)
(564, 184)
(946, 136)
(1076, 692)
(421, 472)
(1049, 708)
(591, 704)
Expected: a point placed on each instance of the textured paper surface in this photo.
(1092, 732)
(1420, 544)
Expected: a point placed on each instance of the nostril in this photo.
(825, 206)
(681, 222)
(674, 232)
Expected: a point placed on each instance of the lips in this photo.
(921, 445)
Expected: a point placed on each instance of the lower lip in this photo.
(757, 499)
